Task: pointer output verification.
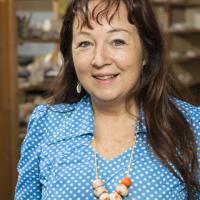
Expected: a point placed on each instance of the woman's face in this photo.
(107, 58)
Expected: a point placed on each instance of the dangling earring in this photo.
(144, 63)
(78, 88)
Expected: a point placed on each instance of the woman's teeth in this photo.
(105, 77)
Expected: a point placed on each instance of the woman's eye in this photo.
(118, 42)
(84, 44)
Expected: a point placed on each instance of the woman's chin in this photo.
(107, 98)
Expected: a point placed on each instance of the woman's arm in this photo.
(28, 184)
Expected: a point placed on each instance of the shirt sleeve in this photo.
(196, 130)
(28, 184)
(195, 123)
(192, 114)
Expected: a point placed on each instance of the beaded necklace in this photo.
(121, 189)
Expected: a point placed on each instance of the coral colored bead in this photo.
(104, 196)
(122, 190)
(99, 191)
(97, 183)
(115, 196)
(126, 181)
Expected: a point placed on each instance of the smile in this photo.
(106, 77)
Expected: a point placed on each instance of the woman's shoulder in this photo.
(58, 121)
(46, 119)
(59, 108)
(189, 110)
(192, 115)
(46, 110)
(49, 113)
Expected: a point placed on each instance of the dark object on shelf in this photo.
(23, 23)
(24, 74)
(25, 60)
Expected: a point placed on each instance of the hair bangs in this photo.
(104, 9)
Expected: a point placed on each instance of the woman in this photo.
(115, 128)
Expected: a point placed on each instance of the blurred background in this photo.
(30, 60)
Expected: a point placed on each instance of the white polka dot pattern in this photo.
(57, 160)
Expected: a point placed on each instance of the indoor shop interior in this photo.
(30, 59)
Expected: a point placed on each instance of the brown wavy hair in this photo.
(169, 134)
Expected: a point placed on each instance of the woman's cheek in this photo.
(121, 60)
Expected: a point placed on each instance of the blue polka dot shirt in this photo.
(57, 159)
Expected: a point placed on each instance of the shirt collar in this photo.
(87, 124)
(87, 115)
(140, 123)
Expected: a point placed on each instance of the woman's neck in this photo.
(114, 109)
(114, 127)
(114, 120)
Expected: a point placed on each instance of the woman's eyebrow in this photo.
(83, 33)
(119, 30)
(110, 31)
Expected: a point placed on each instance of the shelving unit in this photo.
(183, 32)
(179, 32)
(37, 40)
(40, 88)
(171, 3)
(186, 58)
(29, 92)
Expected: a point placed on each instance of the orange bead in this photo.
(126, 181)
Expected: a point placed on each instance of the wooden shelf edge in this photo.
(184, 59)
(38, 40)
(183, 32)
(38, 88)
(193, 84)
(174, 4)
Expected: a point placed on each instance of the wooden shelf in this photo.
(37, 40)
(36, 88)
(39, 88)
(193, 83)
(34, 5)
(183, 32)
(184, 59)
(175, 4)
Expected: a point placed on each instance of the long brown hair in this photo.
(169, 134)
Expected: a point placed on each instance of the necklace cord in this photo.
(131, 157)
(95, 157)
(95, 160)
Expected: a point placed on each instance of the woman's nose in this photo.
(101, 57)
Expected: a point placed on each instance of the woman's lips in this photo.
(105, 78)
